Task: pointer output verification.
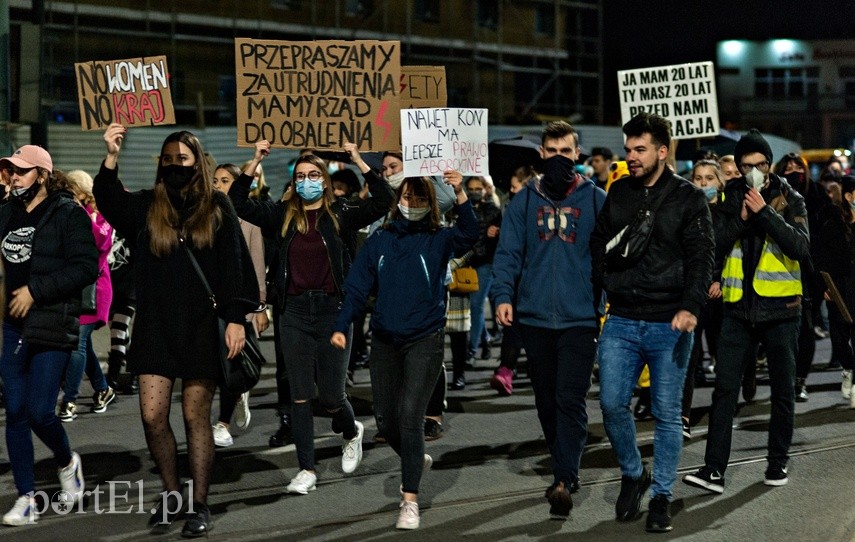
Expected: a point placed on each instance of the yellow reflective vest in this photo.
(776, 274)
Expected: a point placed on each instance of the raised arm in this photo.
(267, 215)
(117, 205)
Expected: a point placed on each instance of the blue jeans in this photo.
(402, 381)
(83, 357)
(476, 301)
(560, 364)
(625, 347)
(32, 376)
(737, 348)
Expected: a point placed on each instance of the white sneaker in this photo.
(351, 450)
(846, 384)
(302, 483)
(242, 413)
(408, 517)
(71, 478)
(222, 437)
(23, 512)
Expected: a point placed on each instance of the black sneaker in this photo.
(628, 505)
(642, 410)
(198, 523)
(776, 475)
(458, 384)
(659, 515)
(433, 429)
(706, 478)
(560, 502)
(282, 437)
(687, 429)
(801, 391)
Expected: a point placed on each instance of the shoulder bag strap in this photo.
(199, 272)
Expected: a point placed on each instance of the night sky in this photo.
(659, 33)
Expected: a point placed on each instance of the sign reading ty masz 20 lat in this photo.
(684, 94)
(318, 94)
(131, 92)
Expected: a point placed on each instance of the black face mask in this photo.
(796, 179)
(25, 195)
(559, 172)
(177, 177)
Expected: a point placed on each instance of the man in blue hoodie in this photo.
(542, 284)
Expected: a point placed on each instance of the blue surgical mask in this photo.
(852, 204)
(710, 192)
(310, 191)
(254, 184)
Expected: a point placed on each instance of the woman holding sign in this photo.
(312, 230)
(176, 328)
(406, 264)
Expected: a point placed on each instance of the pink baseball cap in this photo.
(30, 156)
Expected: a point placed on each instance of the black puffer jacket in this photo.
(675, 272)
(270, 216)
(64, 261)
(785, 220)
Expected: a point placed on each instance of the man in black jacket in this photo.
(655, 299)
(764, 234)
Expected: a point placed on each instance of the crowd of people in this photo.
(624, 275)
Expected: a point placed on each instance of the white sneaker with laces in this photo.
(846, 384)
(351, 450)
(302, 483)
(71, 478)
(23, 512)
(222, 437)
(408, 517)
(242, 413)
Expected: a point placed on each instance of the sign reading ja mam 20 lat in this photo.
(683, 93)
(436, 140)
(318, 94)
(131, 92)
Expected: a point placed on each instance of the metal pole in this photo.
(5, 91)
(39, 130)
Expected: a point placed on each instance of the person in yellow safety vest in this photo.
(764, 233)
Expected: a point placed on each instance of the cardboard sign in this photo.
(684, 94)
(423, 86)
(318, 94)
(132, 92)
(435, 140)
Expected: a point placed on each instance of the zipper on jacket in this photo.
(329, 260)
(20, 343)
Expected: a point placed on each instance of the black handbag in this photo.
(242, 372)
(88, 299)
(630, 244)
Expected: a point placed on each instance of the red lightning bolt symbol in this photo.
(383, 123)
(403, 84)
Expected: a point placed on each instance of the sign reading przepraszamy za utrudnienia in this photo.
(318, 94)
(131, 92)
(683, 93)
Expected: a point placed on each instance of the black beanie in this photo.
(753, 141)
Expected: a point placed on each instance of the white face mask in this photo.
(415, 214)
(755, 178)
(395, 180)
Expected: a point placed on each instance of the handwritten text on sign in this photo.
(423, 86)
(435, 140)
(318, 94)
(132, 92)
(684, 94)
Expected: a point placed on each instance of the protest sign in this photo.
(318, 94)
(423, 86)
(684, 94)
(131, 92)
(434, 140)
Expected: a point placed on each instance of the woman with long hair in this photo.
(176, 328)
(49, 256)
(406, 264)
(312, 229)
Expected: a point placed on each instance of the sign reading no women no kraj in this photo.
(436, 140)
(132, 92)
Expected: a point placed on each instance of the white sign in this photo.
(684, 94)
(438, 139)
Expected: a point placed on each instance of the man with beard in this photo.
(542, 270)
(655, 297)
(764, 232)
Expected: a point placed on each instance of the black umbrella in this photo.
(506, 155)
(690, 149)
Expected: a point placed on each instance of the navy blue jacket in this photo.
(543, 263)
(406, 264)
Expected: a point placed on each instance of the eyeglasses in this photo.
(312, 176)
(762, 166)
(20, 172)
(414, 199)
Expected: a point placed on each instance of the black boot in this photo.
(282, 437)
(198, 522)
